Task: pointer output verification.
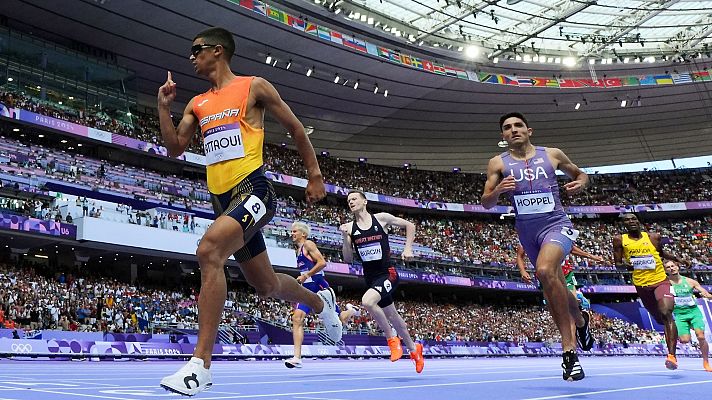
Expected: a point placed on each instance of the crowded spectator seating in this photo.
(607, 189)
(37, 297)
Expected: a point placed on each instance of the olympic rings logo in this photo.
(21, 348)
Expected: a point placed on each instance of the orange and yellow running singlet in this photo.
(233, 148)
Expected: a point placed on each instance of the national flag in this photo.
(570, 83)
(630, 81)
(439, 69)
(701, 76)
(663, 79)
(417, 62)
(525, 81)
(395, 57)
(384, 52)
(248, 4)
(405, 59)
(681, 78)
(487, 78)
(277, 15)
(472, 75)
(545, 82)
(462, 74)
(647, 80)
(612, 82)
(371, 48)
(336, 37)
(296, 23)
(450, 71)
(507, 80)
(311, 29)
(360, 45)
(259, 7)
(428, 66)
(324, 33)
(591, 82)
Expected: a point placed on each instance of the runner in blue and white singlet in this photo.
(527, 174)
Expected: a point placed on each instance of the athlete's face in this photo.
(356, 202)
(296, 235)
(203, 55)
(631, 223)
(515, 131)
(671, 268)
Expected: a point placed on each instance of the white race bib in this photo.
(570, 233)
(687, 301)
(534, 203)
(643, 262)
(255, 207)
(223, 143)
(371, 252)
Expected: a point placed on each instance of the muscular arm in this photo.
(177, 139)
(266, 95)
(492, 185)
(387, 219)
(657, 242)
(618, 254)
(696, 286)
(522, 265)
(579, 178)
(577, 251)
(315, 254)
(347, 249)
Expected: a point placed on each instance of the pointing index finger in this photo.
(170, 77)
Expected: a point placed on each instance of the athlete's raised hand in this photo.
(167, 92)
(506, 185)
(315, 189)
(573, 187)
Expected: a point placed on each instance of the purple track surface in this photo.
(443, 379)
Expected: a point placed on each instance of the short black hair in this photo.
(512, 115)
(221, 36)
(357, 191)
(629, 214)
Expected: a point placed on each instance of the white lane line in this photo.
(372, 389)
(396, 373)
(316, 398)
(562, 396)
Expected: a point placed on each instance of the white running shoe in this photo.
(293, 362)
(190, 380)
(332, 323)
(357, 310)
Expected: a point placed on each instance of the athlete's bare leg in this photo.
(548, 269)
(399, 325)
(370, 301)
(298, 332)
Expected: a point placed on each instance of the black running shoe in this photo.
(583, 334)
(572, 367)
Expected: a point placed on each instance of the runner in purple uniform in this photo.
(527, 174)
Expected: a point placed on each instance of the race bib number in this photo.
(371, 252)
(643, 262)
(687, 301)
(570, 233)
(223, 143)
(255, 207)
(534, 203)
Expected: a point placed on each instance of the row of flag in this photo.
(396, 57)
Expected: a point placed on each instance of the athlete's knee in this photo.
(684, 339)
(208, 254)
(369, 303)
(700, 337)
(297, 319)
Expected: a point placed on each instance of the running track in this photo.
(609, 378)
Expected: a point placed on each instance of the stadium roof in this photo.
(427, 120)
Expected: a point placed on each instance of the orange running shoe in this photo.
(706, 366)
(417, 357)
(396, 350)
(671, 362)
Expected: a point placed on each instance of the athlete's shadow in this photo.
(404, 379)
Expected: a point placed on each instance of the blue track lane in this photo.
(609, 378)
